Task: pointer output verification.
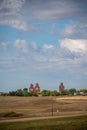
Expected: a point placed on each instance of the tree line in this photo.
(25, 92)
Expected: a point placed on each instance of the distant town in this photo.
(35, 90)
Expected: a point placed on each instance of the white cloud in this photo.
(28, 12)
(34, 46)
(16, 23)
(4, 45)
(46, 46)
(10, 14)
(12, 4)
(74, 45)
(11, 63)
(56, 9)
(21, 45)
(69, 30)
(52, 59)
(75, 30)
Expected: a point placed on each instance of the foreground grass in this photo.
(70, 123)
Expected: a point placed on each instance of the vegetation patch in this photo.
(11, 114)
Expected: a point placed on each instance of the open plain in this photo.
(43, 113)
(41, 106)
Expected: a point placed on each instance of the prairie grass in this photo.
(42, 106)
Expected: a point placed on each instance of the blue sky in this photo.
(43, 41)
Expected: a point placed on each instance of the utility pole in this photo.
(52, 108)
(53, 101)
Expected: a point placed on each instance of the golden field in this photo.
(43, 106)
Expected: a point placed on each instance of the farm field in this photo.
(23, 107)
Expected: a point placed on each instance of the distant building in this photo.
(37, 88)
(31, 88)
(61, 87)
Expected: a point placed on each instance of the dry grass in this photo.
(42, 106)
(73, 104)
(73, 98)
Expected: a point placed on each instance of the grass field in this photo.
(15, 107)
(70, 123)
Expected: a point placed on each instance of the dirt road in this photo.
(38, 118)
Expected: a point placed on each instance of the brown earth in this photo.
(43, 106)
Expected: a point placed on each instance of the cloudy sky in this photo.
(43, 41)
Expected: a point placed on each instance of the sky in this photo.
(43, 41)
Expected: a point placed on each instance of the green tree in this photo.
(64, 92)
(84, 90)
(19, 92)
(30, 94)
(72, 91)
(25, 89)
(56, 93)
(45, 92)
(25, 92)
(12, 93)
(34, 94)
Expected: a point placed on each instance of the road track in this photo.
(38, 118)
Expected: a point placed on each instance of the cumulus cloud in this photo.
(52, 59)
(46, 46)
(74, 45)
(59, 9)
(33, 46)
(27, 47)
(11, 4)
(75, 30)
(21, 45)
(4, 45)
(27, 12)
(15, 23)
(10, 14)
